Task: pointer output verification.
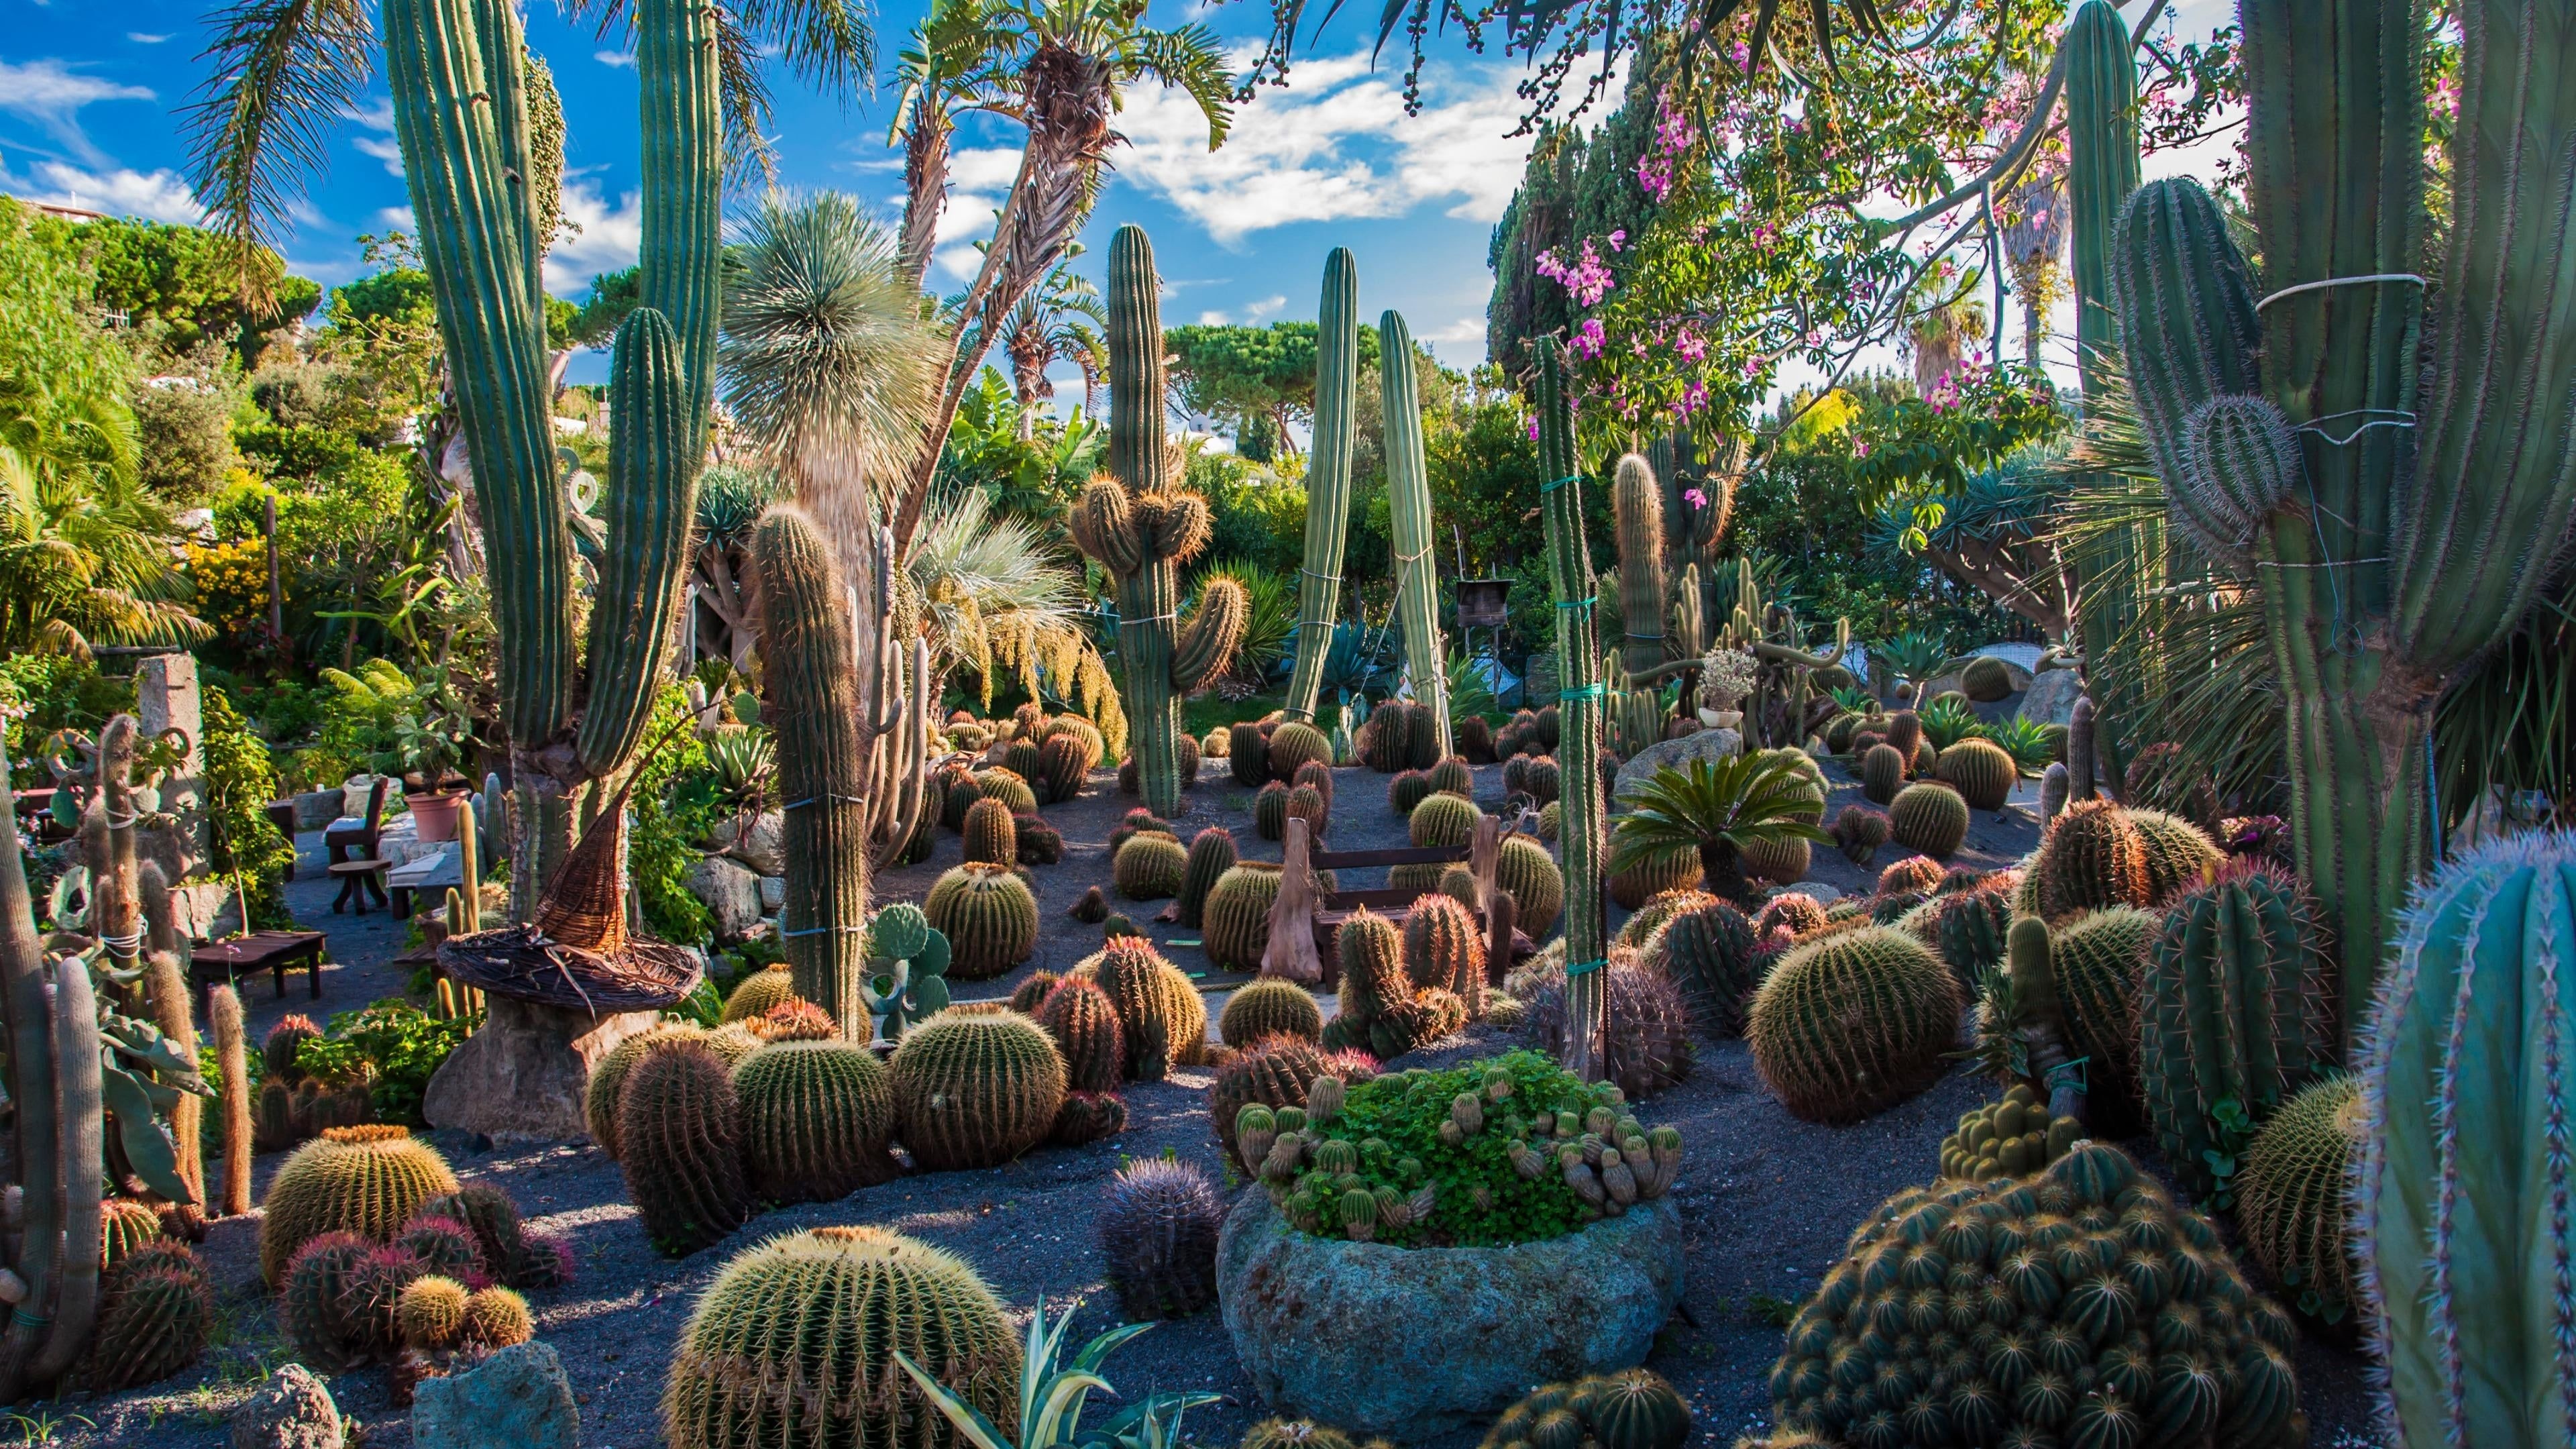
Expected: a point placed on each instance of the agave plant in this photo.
(1052, 1398)
(2026, 740)
(1914, 655)
(1716, 808)
(742, 761)
(1947, 722)
(1855, 700)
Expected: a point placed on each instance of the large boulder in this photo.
(757, 842)
(1418, 1342)
(522, 1074)
(2051, 697)
(292, 1410)
(1706, 744)
(731, 893)
(518, 1398)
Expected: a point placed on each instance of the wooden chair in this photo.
(359, 839)
(359, 879)
(281, 813)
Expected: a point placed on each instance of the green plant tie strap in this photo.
(2069, 1074)
(24, 1318)
(1583, 968)
(1148, 619)
(1578, 603)
(2432, 780)
(822, 930)
(1555, 484)
(1594, 690)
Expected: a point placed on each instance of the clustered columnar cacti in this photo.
(1266, 1008)
(1417, 578)
(1646, 1025)
(1929, 817)
(1328, 480)
(365, 1180)
(2459, 1198)
(156, 1308)
(2079, 1307)
(1238, 915)
(1160, 1012)
(1852, 1024)
(975, 1090)
(822, 1312)
(2011, 1138)
(816, 1120)
(1538, 888)
(1983, 772)
(1382, 1011)
(1141, 530)
(1631, 1409)
(989, 917)
(679, 1130)
(1212, 854)
(2232, 1011)
(2294, 1193)
(1150, 867)
(1087, 1035)
(1580, 691)
(1158, 1228)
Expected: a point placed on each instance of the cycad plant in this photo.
(1052, 1398)
(1716, 809)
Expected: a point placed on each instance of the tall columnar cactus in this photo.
(1408, 496)
(2420, 522)
(1141, 529)
(2460, 1214)
(1328, 481)
(1636, 505)
(1579, 691)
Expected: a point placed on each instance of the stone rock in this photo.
(518, 1398)
(316, 809)
(730, 892)
(1416, 1342)
(166, 698)
(1538, 680)
(203, 910)
(1814, 890)
(521, 1075)
(2051, 697)
(1707, 744)
(758, 844)
(290, 1411)
(773, 894)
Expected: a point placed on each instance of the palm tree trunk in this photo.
(934, 434)
(1723, 864)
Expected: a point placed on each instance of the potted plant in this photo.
(425, 750)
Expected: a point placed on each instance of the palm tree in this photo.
(998, 597)
(930, 90)
(84, 549)
(1061, 318)
(1058, 67)
(1715, 809)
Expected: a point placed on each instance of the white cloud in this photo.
(139, 38)
(610, 237)
(984, 168)
(618, 59)
(383, 149)
(159, 196)
(44, 92)
(1253, 312)
(1335, 144)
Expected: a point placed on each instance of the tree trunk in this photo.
(1723, 864)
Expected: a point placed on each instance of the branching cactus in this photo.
(2422, 516)
(1328, 479)
(1408, 496)
(1142, 530)
(1569, 566)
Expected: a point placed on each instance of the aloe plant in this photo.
(1052, 1399)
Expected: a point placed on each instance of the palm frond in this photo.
(281, 77)
(1739, 800)
(1191, 60)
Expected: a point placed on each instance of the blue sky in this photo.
(90, 116)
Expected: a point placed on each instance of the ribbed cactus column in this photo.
(1140, 531)
(813, 705)
(1569, 568)
(653, 464)
(1328, 479)
(680, 255)
(1636, 506)
(1408, 496)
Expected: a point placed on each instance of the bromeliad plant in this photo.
(1052, 1399)
(1716, 810)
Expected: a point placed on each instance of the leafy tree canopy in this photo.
(178, 282)
(1235, 373)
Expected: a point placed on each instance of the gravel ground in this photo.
(1768, 1199)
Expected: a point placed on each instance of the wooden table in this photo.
(276, 952)
(429, 873)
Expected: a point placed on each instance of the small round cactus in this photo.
(1212, 854)
(1916, 874)
(124, 1224)
(1929, 817)
(430, 1314)
(755, 994)
(1710, 953)
(989, 916)
(1986, 680)
(496, 1318)
(1882, 773)
(1237, 929)
(1452, 777)
(1651, 877)
(1443, 821)
(1158, 1228)
(1524, 868)
(2011, 1138)
(1087, 1035)
(1407, 789)
(991, 838)
(1293, 744)
(679, 1133)
(975, 1090)
(1150, 868)
(1982, 771)
(2093, 856)
(2293, 1202)
(156, 1308)
(1269, 1007)
(368, 1180)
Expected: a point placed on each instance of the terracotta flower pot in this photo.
(437, 813)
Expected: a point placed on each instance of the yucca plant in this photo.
(1947, 723)
(2026, 740)
(1716, 809)
(1913, 655)
(1052, 1398)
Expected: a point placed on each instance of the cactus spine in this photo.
(1408, 494)
(1328, 482)
(1637, 507)
(1569, 565)
(1140, 530)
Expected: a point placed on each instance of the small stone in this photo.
(518, 1398)
(760, 843)
(730, 892)
(290, 1411)
(2051, 697)
(773, 894)
(1707, 744)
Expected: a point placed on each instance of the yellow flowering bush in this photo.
(231, 580)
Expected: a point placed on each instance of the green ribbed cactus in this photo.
(975, 1090)
(830, 1306)
(1087, 1035)
(155, 1312)
(429, 1317)
(608, 1077)
(1293, 745)
(2294, 1197)
(496, 1318)
(816, 1118)
(1537, 886)
(1266, 1008)
(1443, 820)
(2233, 1016)
(1150, 867)
(2011, 1138)
(989, 916)
(2043, 1284)
(2178, 853)
(1305, 802)
(1970, 929)
(990, 836)
(1275, 1072)
(1212, 854)
(1417, 573)
(1238, 915)
(1373, 976)
(1632, 1409)
(124, 1224)
(1882, 773)
(1328, 483)
(313, 1298)
(679, 1134)
(1651, 877)
(2093, 857)
(1982, 771)
(1929, 817)
(2459, 1202)
(1637, 509)
(1009, 787)
(1853, 1024)
(1160, 1012)
(1579, 726)
(1064, 762)
(1444, 946)
(1709, 952)
(756, 993)
(1140, 529)
(2095, 962)
(367, 1180)
(1987, 680)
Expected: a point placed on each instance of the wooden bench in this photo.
(432, 873)
(1396, 902)
(277, 952)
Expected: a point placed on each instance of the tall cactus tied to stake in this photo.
(2398, 529)
(1328, 479)
(1569, 569)
(1141, 530)
(1408, 496)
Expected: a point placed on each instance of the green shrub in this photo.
(392, 1046)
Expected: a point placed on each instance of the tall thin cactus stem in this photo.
(1569, 566)
(1408, 494)
(1328, 479)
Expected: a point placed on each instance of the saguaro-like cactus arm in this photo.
(1408, 495)
(1328, 479)
(1637, 507)
(1805, 658)
(80, 1168)
(1569, 567)
(680, 255)
(653, 465)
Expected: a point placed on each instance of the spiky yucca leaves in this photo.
(1269, 1007)
(1238, 914)
(367, 1180)
(1929, 817)
(989, 916)
(975, 1090)
(827, 1307)
(1714, 809)
(679, 1129)
(1646, 1025)
(1158, 1229)
(1710, 953)
(1150, 867)
(1852, 1024)
(2233, 1010)
(1525, 869)
(1212, 854)
(1087, 1034)
(1159, 1008)
(991, 837)
(1981, 771)
(2048, 1277)
(155, 1311)
(2093, 856)
(816, 1119)
(2293, 1197)
(1444, 946)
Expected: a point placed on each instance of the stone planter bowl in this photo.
(1416, 1342)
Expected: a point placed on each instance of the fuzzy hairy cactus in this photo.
(367, 1180)
(679, 1129)
(2011, 1138)
(1158, 1228)
(1982, 771)
(1237, 924)
(1087, 1034)
(975, 1090)
(816, 1120)
(1266, 1008)
(989, 917)
(155, 1311)
(1929, 817)
(2137, 1300)
(1524, 868)
(1646, 1031)
(1212, 854)
(1852, 1024)
(1160, 1013)
(1150, 867)
(829, 1306)
(2294, 1197)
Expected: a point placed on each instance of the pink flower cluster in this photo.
(1674, 136)
(1588, 339)
(1588, 279)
